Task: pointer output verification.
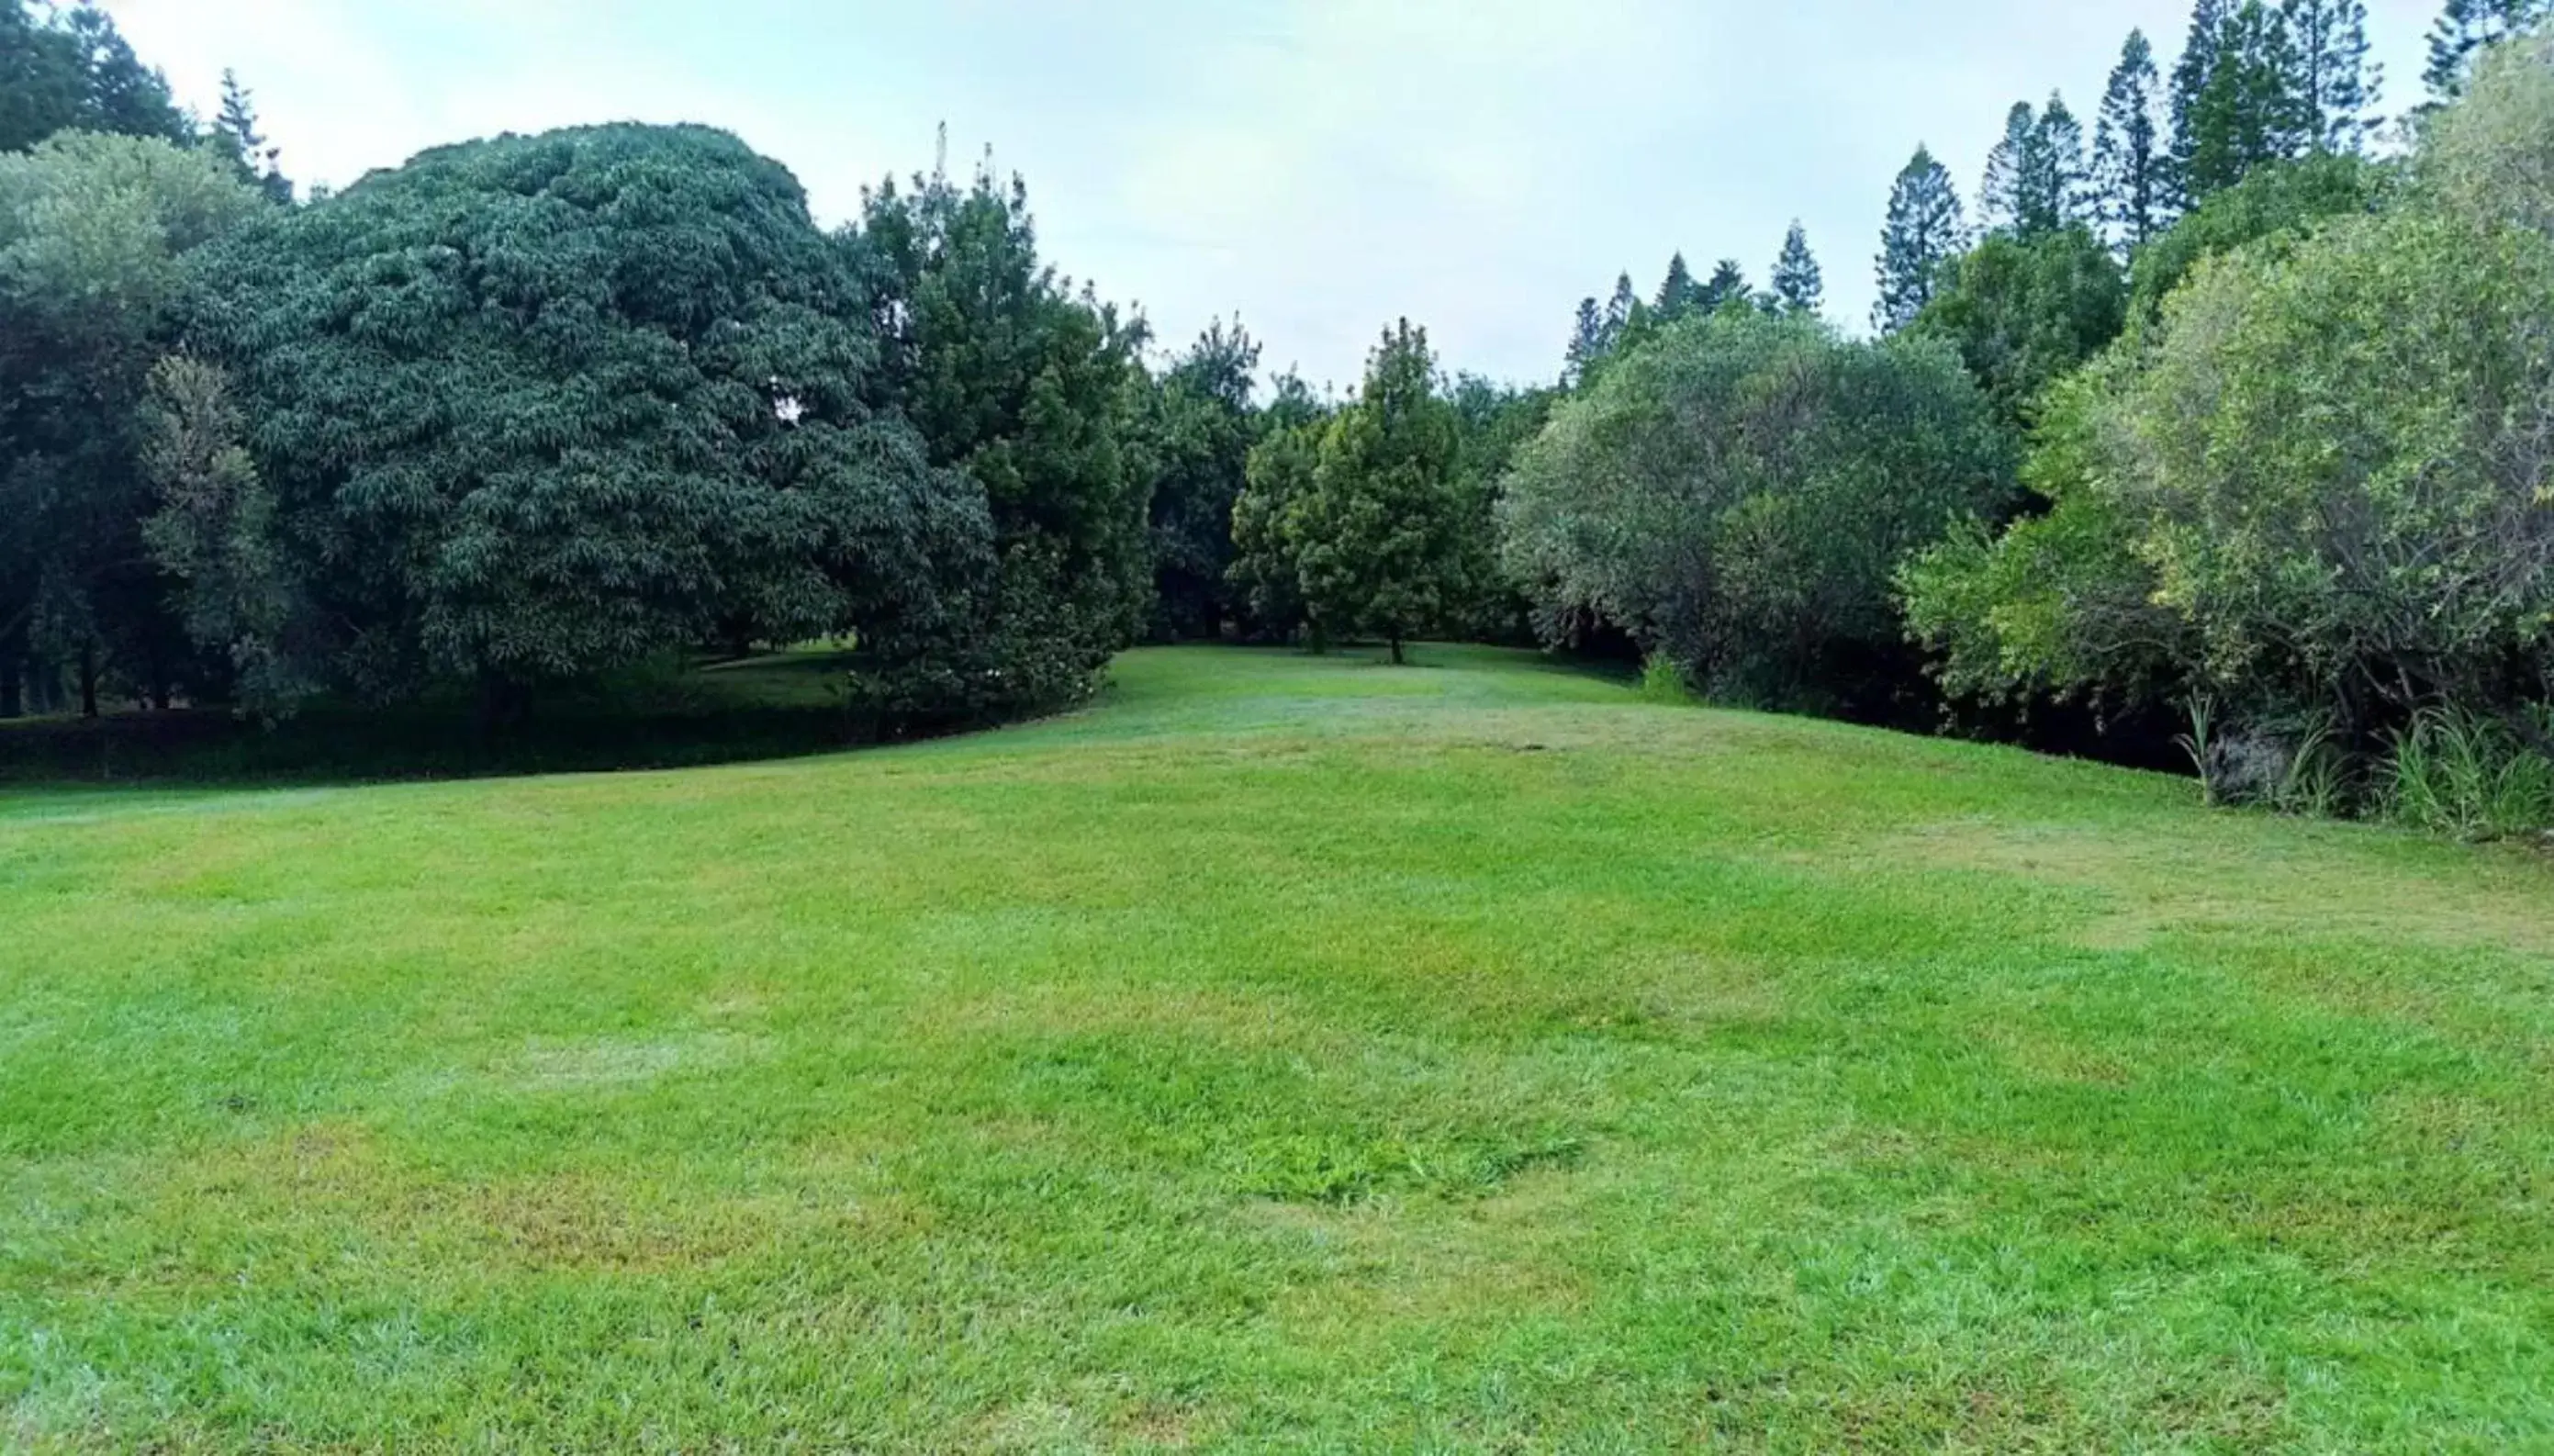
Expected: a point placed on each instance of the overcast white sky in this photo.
(1316, 166)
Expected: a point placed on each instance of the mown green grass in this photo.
(1284, 1054)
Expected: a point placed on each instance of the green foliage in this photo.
(1492, 423)
(1378, 540)
(2200, 49)
(2248, 111)
(2468, 776)
(2129, 179)
(538, 408)
(214, 531)
(235, 132)
(1587, 344)
(2025, 311)
(1380, 517)
(72, 70)
(2491, 158)
(2335, 460)
(1036, 391)
(1797, 287)
(2206, 750)
(2036, 180)
(1680, 292)
(1200, 434)
(2464, 28)
(1663, 682)
(2334, 85)
(1278, 479)
(1737, 495)
(2280, 199)
(2327, 475)
(92, 229)
(2058, 604)
(1727, 286)
(1924, 231)
(1622, 311)
(2311, 492)
(93, 233)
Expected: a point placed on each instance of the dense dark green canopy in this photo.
(540, 406)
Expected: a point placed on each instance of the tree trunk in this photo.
(13, 681)
(1397, 659)
(1321, 637)
(88, 679)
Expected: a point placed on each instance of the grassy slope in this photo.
(1284, 1054)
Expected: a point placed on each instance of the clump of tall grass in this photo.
(2467, 775)
(1662, 681)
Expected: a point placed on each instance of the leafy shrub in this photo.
(2282, 200)
(1737, 493)
(2024, 312)
(2319, 492)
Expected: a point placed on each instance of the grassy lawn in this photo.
(1284, 1054)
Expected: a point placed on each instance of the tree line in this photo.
(2218, 428)
(2216, 415)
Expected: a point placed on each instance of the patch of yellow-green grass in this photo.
(1283, 1054)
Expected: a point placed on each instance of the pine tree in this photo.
(2058, 192)
(1679, 293)
(1728, 286)
(1926, 230)
(1621, 311)
(2190, 77)
(1587, 344)
(235, 132)
(2250, 111)
(2000, 192)
(1797, 287)
(2467, 26)
(2334, 85)
(2034, 182)
(2127, 178)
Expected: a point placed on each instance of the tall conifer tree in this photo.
(1586, 343)
(2190, 77)
(2034, 182)
(2334, 85)
(2129, 184)
(1621, 311)
(235, 130)
(2467, 26)
(1728, 284)
(2249, 112)
(1926, 230)
(1678, 292)
(1799, 288)
(2001, 190)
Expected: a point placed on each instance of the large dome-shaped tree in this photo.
(527, 408)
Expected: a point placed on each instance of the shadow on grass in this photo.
(780, 706)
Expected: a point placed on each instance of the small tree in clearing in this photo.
(1377, 541)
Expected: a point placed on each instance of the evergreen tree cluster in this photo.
(527, 411)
